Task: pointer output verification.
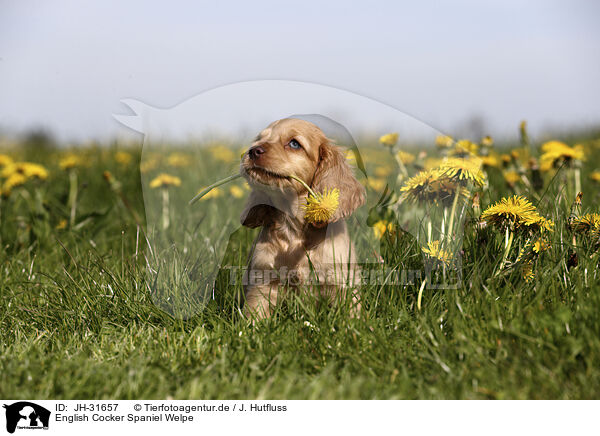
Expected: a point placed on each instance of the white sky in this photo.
(66, 65)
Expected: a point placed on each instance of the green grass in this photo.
(78, 319)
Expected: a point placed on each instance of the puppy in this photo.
(290, 252)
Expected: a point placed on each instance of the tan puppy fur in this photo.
(288, 251)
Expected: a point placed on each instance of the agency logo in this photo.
(26, 415)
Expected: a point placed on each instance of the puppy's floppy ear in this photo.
(334, 172)
(258, 211)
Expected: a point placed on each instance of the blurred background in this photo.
(466, 68)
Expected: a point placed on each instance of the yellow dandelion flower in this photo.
(527, 271)
(586, 223)
(554, 146)
(405, 157)
(381, 227)
(14, 180)
(541, 223)
(595, 176)
(5, 160)
(422, 187)
(578, 199)
(376, 184)
(421, 181)
(149, 164)
(505, 158)
(443, 141)
(596, 234)
(70, 161)
(321, 207)
(554, 153)
(236, 191)
(37, 171)
(114, 184)
(107, 175)
(213, 193)
(516, 213)
(491, 160)
(26, 169)
(178, 160)
(528, 254)
(62, 224)
(222, 153)
(487, 141)
(463, 170)
(432, 186)
(383, 171)
(535, 222)
(509, 211)
(436, 252)
(164, 180)
(523, 126)
(511, 177)
(123, 158)
(531, 251)
(541, 245)
(389, 140)
(464, 148)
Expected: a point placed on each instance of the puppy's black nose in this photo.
(255, 152)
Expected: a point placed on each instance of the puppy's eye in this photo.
(294, 144)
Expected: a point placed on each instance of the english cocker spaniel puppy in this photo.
(290, 253)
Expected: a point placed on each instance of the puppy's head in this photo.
(297, 147)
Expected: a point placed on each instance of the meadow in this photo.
(81, 315)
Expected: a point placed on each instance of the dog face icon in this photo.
(26, 414)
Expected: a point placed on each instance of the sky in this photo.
(66, 65)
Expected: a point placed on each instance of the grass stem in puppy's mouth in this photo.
(213, 186)
(319, 208)
(299, 180)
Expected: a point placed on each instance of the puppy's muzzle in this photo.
(255, 152)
